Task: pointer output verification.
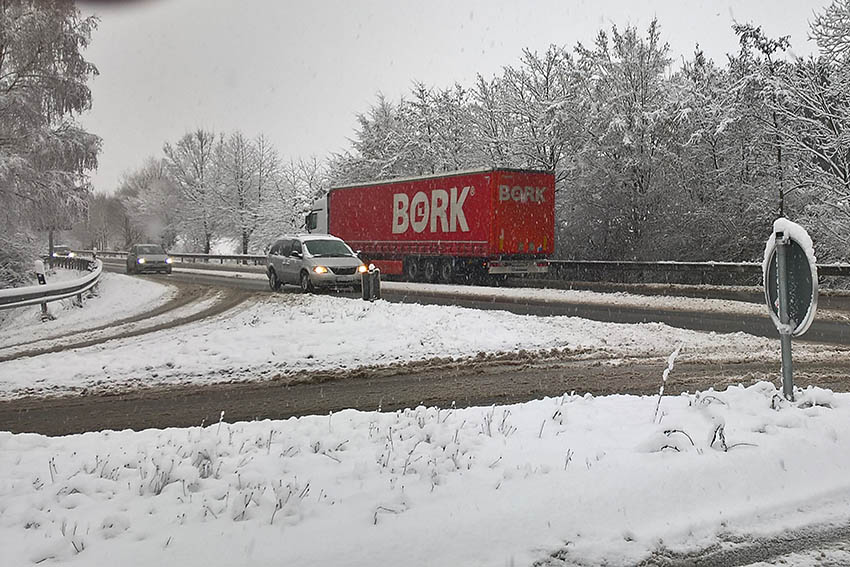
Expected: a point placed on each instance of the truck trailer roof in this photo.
(438, 176)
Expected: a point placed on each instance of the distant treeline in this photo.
(653, 161)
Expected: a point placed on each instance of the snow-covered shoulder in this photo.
(591, 480)
(339, 334)
(116, 297)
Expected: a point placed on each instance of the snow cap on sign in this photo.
(799, 235)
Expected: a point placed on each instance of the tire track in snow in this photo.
(221, 300)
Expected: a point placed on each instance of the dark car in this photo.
(148, 258)
(63, 251)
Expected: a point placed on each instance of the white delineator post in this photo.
(42, 280)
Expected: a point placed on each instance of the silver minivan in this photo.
(313, 261)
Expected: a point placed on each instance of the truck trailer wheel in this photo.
(412, 271)
(446, 272)
(429, 270)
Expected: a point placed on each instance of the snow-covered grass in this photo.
(115, 297)
(284, 334)
(593, 479)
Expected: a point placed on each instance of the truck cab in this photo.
(316, 220)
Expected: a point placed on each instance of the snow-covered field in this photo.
(592, 479)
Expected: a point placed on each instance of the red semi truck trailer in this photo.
(441, 227)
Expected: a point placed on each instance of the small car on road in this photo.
(63, 251)
(313, 261)
(148, 258)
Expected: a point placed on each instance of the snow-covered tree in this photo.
(151, 202)
(455, 133)
(760, 71)
(831, 30)
(44, 153)
(531, 91)
(618, 182)
(192, 166)
(243, 184)
(813, 106)
(494, 129)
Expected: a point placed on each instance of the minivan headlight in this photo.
(141, 260)
(320, 270)
(169, 260)
(362, 268)
(71, 254)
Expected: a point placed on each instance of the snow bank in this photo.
(117, 297)
(285, 334)
(593, 479)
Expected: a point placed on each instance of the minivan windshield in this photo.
(328, 248)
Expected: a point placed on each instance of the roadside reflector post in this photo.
(366, 285)
(375, 273)
(370, 283)
(782, 243)
(42, 280)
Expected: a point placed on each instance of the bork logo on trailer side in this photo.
(441, 211)
(521, 194)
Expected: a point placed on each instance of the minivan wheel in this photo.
(306, 284)
(274, 283)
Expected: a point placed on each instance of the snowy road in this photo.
(831, 326)
(467, 383)
(555, 480)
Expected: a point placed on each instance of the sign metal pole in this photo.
(782, 242)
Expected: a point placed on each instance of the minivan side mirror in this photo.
(295, 254)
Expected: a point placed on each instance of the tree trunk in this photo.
(50, 248)
(245, 239)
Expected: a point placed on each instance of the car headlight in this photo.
(55, 254)
(71, 254)
(320, 270)
(141, 260)
(169, 260)
(362, 268)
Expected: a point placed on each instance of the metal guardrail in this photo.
(191, 257)
(734, 273)
(31, 295)
(725, 273)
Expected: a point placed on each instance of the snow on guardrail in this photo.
(31, 295)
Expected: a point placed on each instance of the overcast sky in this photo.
(299, 72)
